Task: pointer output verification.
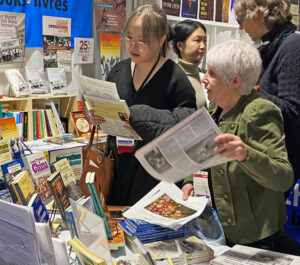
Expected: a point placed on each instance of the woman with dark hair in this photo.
(158, 94)
(189, 43)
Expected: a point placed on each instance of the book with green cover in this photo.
(34, 125)
(90, 182)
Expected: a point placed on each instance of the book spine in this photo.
(24, 202)
(53, 122)
(25, 126)
(71, 223)
(100, 208)
(49, 133)
(34, 125)
(17, 194)
(41, 124)
(57, 119)
(38, 125)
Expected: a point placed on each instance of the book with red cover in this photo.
(81, 122)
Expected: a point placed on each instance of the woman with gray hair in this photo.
(269, 24)
(248, 191)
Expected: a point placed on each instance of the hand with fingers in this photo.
(231, 146)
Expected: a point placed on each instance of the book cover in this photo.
(56, 118)
(189, 8)
(17, 84)
(10, 170)
(5, 151)
(40, 211)
(25, 126)
(39, 169)
(171, 7)
(65, 170)
(59, 192)
(57, 80)
(70, 222)
(222, 11)
(36, 80)
(90, 182)
(81, 122)
(206, 9)
(9, 128)
(23, 186)
(53, 126)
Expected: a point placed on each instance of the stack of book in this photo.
(147, 232)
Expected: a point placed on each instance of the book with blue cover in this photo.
(189, 8)
(40, 211)
(140, 226)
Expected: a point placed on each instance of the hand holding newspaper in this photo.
(182, 150)
(164, 206)
(103, 98)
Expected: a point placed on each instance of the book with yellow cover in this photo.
(23, 187)
(8, 128)
(85, 256)
(63, 166)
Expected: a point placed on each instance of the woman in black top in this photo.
(156, 90)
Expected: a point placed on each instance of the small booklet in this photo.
(36, 80)
(17, 84)
(57, 80)
(103, 98)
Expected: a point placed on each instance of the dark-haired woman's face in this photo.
(194, 48)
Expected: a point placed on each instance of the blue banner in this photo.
(80, 12)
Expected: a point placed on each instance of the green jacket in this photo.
(249, 195)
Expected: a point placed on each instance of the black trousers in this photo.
(281, 241)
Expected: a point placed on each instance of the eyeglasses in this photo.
(138, 44)
(240, 19)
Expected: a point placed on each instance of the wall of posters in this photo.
(12, 37)
(110, 15)
(110, 50)
(78, 11)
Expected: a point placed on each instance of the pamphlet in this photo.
(36, 80)
(17, 84)
(102, 97)
(57, 80)
(182, 150)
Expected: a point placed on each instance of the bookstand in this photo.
(68, 103)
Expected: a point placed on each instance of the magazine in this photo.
(36, 80)
(182, 150)
(164, 206)
(105, 102)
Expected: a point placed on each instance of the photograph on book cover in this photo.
(12, 37)
(171, 7)
(110, 15)
(167, 207)
(110, 51)
(56, 37)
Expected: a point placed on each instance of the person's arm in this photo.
(286, 87)
(266, 157)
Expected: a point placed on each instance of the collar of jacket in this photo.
(189, 68)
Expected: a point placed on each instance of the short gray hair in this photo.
(155, 24)
(233, 58)
(273, 11)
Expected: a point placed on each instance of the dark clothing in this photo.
(280, 82)
(164, 101)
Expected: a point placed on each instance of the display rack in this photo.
(67, 104)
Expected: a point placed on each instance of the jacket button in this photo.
(232, 126)
(225, 196)
(229, 220)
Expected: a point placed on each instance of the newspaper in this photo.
(164, 206)
(182, 150)
(103, 98)
(242, 255)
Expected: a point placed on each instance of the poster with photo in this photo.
(56, 36)
(110, 51)
(171, 7)
(83, 50)
(64, 60)
(12, 37)
(206, 9)
(189, 8)
(110, 15)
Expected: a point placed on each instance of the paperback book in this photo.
(40, 211)
(39, 169)
(57, 80)
(81, 122)
(17, 84)
(36, 80)
(63, 166)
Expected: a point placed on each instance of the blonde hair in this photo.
(273, 11)
(233, 58)
(155, 24)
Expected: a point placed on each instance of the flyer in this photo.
(83, 50)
